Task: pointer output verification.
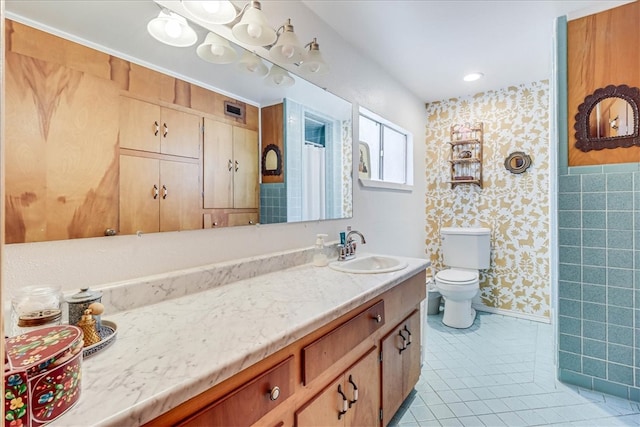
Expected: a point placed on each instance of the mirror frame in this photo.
(278, 170)
(586, 143)
(526, 162)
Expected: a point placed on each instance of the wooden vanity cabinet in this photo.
(355, 351)
(353, 399)
(400, 364)
(250, 402)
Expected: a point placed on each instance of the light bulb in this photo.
(211, 6)
(288, 50)
(252, 66)
(254, 30)
(172, 28)
(314, 67)
(217, 50)
(278, 79)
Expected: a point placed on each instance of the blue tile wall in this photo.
(599, 271)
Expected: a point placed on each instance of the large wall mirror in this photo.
(314, 181)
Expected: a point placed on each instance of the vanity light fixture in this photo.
(472, 77)
(172, 29)
(217, 50)
(279, 77)
(211, 11)
(313, 63)
(287, 48)
(253, 29)
(252, 64)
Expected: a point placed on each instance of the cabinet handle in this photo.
(166, 130)
(274, 393)
(214, 224)
(377, 318)
(157, 128)
(408, 333)
(404, 341)
(355, 391)
(230, 165)
(236, 166)
(165, 192)
(250, 222)
(155, 191)
(345, 402)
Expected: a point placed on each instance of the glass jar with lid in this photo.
(39, 305)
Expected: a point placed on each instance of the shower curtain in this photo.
(313, 188)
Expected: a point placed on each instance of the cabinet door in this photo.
(323, 410)
(400, 364)
(180, 133)
(139, 125)
(180, 201)
(364, 377)
(245, 180)
(218, 164)
(139, 194)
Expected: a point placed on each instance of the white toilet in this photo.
(465, 251)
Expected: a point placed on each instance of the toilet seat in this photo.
(457, 277)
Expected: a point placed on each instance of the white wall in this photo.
(393, 222)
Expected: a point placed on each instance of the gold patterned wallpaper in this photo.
(515, 207)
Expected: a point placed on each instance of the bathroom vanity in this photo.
(303, 345)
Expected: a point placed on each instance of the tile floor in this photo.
(500, 372)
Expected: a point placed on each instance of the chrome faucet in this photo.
(348, 250)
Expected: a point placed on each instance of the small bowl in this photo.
(107, 332)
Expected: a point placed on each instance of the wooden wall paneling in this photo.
(38, 44)
(71, 139)
(273, 133)
(602, 50)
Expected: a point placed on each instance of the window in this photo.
(390, 149)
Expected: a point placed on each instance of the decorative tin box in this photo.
(42, 375)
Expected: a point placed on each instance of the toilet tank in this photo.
(466, 247)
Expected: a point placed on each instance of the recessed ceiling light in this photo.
(473, 77)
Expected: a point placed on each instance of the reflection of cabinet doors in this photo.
(158, 195)
(400, 364)
(149, 127)
(351, 400)
(230, 166)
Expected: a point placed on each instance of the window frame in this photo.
(383, 123)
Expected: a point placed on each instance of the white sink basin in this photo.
(369, 264)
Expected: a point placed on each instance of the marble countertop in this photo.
(168, 352)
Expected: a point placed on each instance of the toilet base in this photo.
(458, 314)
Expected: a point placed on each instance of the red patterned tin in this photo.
(42, 375)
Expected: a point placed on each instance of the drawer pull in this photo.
(355, 391)
(377, 318)
(157, 128)
(166, 130)
(274, 393)
(230, 165)
(404, 341)
(345, 402)
(409, 333)
(155, 191)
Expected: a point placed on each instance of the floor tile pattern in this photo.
(501, 372)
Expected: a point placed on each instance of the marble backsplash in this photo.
(131, 294)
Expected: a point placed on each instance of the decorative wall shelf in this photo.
(466, 154)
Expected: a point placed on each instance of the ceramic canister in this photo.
(79, 302)
(42, 375)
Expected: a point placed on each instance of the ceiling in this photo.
(428, 46)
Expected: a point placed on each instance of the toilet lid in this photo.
(457, 276)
